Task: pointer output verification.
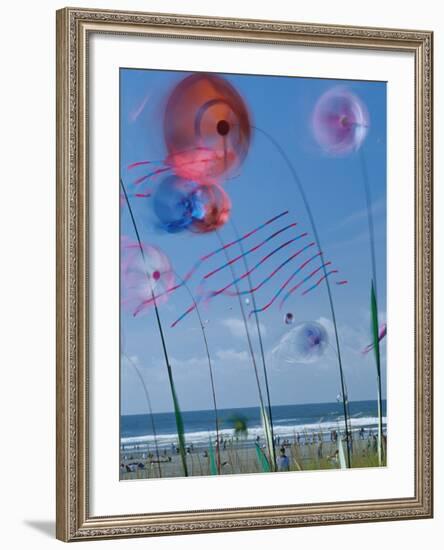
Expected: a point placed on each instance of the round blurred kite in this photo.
(207, 128)
(145, 271)
(173, 204)
(340, 122)
(305, 343)
(212, 208)
(181, 204)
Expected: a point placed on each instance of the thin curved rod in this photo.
(148, 400)
(247, 332)
(330, 298)
(259, 335)
(210, 367)
(162, 338)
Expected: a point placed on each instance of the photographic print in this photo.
(252, 274)
(231, 251)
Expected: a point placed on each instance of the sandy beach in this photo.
(240, 457)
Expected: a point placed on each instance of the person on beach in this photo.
(334, 457)
(283, 462)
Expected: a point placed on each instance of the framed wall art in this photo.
(244, 274)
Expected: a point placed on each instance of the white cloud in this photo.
(231, 355)
(190, 363)
(193, 366)
(237, 327)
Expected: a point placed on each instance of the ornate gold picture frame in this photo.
(75, 27)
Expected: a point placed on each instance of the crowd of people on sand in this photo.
(132, 464)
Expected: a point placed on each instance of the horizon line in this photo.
(250, 407)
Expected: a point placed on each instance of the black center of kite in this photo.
(223, 127)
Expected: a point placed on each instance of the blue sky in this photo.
(282, 106)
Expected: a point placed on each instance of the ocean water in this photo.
(288, 421)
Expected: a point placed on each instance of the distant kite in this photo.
(382, 334)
